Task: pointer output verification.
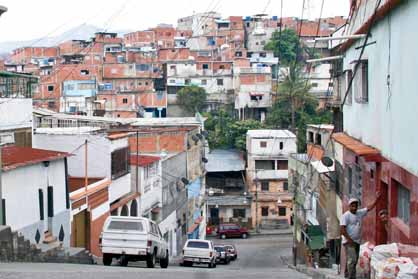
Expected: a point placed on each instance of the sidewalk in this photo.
(317, 273)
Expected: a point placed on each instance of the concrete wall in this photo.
(15, 113)
(387, 121)
(273, 146)
(21, 187)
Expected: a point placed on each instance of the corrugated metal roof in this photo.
(229, 200)
(14, 156)
(354, 145)
(224, 160)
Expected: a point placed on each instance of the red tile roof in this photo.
(14, 156)
(354, 145)
(143, 160)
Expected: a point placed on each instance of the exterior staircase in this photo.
(49, 238)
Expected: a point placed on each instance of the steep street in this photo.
(258, 257)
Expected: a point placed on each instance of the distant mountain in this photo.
(81, 32)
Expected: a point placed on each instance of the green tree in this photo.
(284, 46)
(216, 125)
(238, 131)
(295, 107)
(192, 98)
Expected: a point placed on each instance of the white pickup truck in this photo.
(133, 239)
(199, 252)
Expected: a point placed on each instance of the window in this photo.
(146, 83)
(282, 165)
(84, 72)
(50, 88)
(256, 98)
(120, 162)
(282, 211)
(281, 145)
(205, 66)
(198, 244)
(264, 186)
(318, 139)
(362, 84)
(404, 203)
(264, 165)
(348, 77)
(222, 67)
(263, 54)
(285, 186)
(264, 211)
(126, 226)
(238, 54)
(125, 100)
(239, 213)
(220, 81)
(311, 137)
(263, 144)
(350, 179)
(187, 81)
(204, 82)
(173, 67)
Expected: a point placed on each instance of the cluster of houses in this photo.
(139, 74)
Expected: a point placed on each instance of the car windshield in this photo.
(126, 226)
(219, 249)
(198, 244)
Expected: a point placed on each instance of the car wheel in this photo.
(223, 236)
(107, 259)
(187, 264)
(164, 262)
(123, 261)
(212, 265)
(151, 260)
(244, 235)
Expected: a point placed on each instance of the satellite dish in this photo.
(327, 161)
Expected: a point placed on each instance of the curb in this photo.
(322, 273)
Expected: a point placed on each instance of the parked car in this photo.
(133, 239)
(231, 230)
(223, 256)
(232, 251)
(200, 252)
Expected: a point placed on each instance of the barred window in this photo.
(120, 163)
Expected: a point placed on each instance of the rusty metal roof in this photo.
(14, 156)
(354, 145)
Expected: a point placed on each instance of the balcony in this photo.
(258, 70)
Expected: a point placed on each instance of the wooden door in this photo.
(80, 231)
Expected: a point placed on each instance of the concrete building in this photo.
(37, 179)
(267, 173)
(16, 91)
(228, 198)
(377, 145)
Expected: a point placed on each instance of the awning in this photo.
(316, 237)
(354, 145)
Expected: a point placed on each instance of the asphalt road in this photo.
(258, 258)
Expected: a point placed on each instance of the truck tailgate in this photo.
(196, 252)
(124, 240)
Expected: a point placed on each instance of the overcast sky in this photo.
(29, 19)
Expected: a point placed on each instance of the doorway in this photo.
(214, 216)
(81, 223)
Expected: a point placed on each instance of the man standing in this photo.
(351, 233)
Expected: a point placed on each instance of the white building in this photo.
(35, 194)
(146, 179)
(107, 157)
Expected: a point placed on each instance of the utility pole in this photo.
(86, 180)
(1, 190)
(256, 202)
(137, 161)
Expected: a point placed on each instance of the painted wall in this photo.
(15, 113)
(387, 122)
(21, 187)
